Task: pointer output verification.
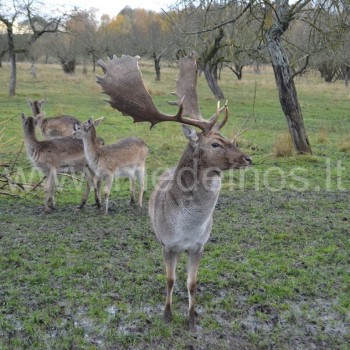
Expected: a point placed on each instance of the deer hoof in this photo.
(168, 316)
(192, 320)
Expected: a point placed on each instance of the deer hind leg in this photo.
(89, 184)
(133, 188)
(49, 191)
(170, 260)
(194, 258)
(141, 179)
(106, 192)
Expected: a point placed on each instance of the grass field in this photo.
(275, 273)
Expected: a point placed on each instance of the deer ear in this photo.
(190, 133)
(98, 121)
(76, 127)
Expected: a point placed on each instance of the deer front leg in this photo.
(170, 260)
(97, 189)
(194, 258)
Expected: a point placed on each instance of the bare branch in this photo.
(241, 130)
(220, 25)
(302, 69)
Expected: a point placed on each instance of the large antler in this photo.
(186, 85)
(123, 83)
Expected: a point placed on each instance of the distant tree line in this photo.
(317, 38)
(292, 37)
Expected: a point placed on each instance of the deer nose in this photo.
(248, 160)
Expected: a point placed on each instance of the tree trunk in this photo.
(239, 71)
(157, 67)
(288, 95)
(68, 65)
(33, 70)
(211, 77)
(209, 65)
(13, 74)
(346, 75)
(12, 55)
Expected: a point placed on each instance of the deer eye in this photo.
(216, 145)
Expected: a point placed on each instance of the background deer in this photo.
(125, 158)
(59, 126)
(182, 204)
(60, 155)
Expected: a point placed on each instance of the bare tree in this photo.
(275, 18)
(280, 15)
(83, 26)
(204, 28)
(3, 47)
(30, 17)
(147, 33)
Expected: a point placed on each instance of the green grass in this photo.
(275, 273)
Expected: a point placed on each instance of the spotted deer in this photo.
(182, 204)
(58, 126)
(59, 155)
(125, 158)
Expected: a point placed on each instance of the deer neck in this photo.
(29, 134)
(36, 109)
(40, 120)
(195, 179)
(91, 147)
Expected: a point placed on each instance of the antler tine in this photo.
(214, 118)
(218, 126)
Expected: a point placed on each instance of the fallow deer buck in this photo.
(182, 204)
(59, 126)
(125, 158)
(59, 155)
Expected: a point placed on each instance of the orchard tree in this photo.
(26, 17)
(275, 18)
(200, 29)
(78, 41)
(3, 46)
(83, 25)
(105, 36)
(141, 32)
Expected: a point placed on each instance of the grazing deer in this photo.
(60, 155)
(182, 204)
(125, 158)
(59, 126)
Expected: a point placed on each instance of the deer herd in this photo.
(182, 203)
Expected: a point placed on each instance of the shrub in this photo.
(344, 145)
(283, 145)
(322, 136)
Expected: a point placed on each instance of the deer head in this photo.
(36, 106)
